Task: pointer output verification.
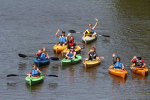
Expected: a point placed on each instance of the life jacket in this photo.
(138, 62)
(42, 57)
(71, 54)
(62, 39)
(92, 55)
(35, 72)
(89, 33)
(71, 42)
(118, 65)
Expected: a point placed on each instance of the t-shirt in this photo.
(134, 61)
(71, 52)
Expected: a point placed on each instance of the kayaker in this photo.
(138, 61)
(92, 54)
(62, 39)
(90, 30)
(42, 54)
(117, 63)
(71, 54)
(71, 42)
(35, 72)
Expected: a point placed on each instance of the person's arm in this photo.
(95, 23)
(122, 67)
(132, 61)
(113, 58)
(144, 65)
(84, 33)
(57, 33)
(47, 56)
(39, 70)
(67, 54)
(67, 37)
(29, 73)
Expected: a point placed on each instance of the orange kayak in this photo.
(58, 49)
(140, 71)
(117, 72)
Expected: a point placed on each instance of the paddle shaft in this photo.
(73, 31)
(26, 75)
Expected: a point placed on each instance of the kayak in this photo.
(41, 62)
(88, 63)
(34, 80)
(58, 49)
(117, 72)
(77, 49)
(88, 39)
(140, 71)
(71, 62)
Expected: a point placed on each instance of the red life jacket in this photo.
(71, 42)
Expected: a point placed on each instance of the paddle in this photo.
(73, 31)
(23, 56)
(26, 75)
(55, 43)
(99, 57)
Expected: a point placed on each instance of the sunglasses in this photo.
(72, 48)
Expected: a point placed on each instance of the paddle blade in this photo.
(22, 55)
(72, 31)
(54, 58)
(52, 75)
(102, 58)
(12, 75)
(105, 35)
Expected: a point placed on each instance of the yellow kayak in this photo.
(87, 64)
(58, 48)
(77, 49)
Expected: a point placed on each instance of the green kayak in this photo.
(70, 62)
(34, 80)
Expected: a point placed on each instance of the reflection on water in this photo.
(35, 89)
(117, 80)
(11, 85)
(138, 78)
(91, 73)
(22, 66)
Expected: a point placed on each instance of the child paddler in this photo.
(62, 39)
(71, 54)
(138, 61)
(117, 63)
(90, 30)
(92, 54)
(42, 54)
(35, 72)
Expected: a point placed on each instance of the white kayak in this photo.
(88, 39)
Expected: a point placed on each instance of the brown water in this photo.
(23, 24)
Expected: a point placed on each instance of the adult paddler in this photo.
(62, 39)
(90, 30)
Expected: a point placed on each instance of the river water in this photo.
(25, 23)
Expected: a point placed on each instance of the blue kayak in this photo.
(41, 62)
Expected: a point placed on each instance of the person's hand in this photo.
(113, 55)
(134, 57)
(39, 51)
(69, 34)
(58, 30)
(96, 19)
(90, 50)
(143, 66)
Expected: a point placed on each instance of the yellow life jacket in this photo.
(87, 33)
